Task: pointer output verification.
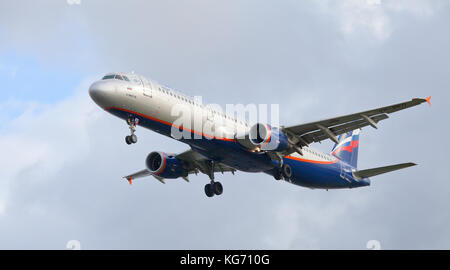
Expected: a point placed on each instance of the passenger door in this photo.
(147, 87)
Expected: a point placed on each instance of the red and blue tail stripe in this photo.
(347, 148)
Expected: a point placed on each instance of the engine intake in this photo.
(164, 165)
(264, 137)
(260, 134)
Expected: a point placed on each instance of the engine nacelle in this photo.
(164, 165)
(265, 138)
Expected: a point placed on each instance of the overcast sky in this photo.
(63, 157)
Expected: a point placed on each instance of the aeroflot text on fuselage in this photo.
(247, 138)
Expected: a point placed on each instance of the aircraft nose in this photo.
(99, 92)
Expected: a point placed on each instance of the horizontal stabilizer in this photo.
(381, 170)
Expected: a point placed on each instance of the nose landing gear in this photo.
(131, 139)
(132, 123)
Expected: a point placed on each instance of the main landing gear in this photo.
(132, 123)
(285, 172)
(213, 188)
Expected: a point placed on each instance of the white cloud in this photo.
(418, 8)
(309, 222)
(44, 138)
(295, 221)
(374, 16)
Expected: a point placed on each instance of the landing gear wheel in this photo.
(133, 138)
(132, 123)
(287, 171)
(209, 191)
(278, 175)
(218, 188)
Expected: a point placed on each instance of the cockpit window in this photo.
(116, 76)
(108, 77)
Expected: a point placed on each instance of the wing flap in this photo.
(318, 135)
(381, 170)
(320, 130)
(195, 161)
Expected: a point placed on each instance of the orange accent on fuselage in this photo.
(312, 161)
(171, 124)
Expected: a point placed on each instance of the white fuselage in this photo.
(152, 100)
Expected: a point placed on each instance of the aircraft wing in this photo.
(136, 175)
(305, 134)
(193, 161)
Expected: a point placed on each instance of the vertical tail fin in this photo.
(347, 148)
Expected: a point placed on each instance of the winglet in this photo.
(428, 100)
(130, 180)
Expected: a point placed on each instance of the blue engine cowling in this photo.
(268, 138)
(164, 165)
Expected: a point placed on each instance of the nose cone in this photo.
(101, 92)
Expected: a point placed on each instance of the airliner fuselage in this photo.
(145, 103)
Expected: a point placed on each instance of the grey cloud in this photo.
(66, 184)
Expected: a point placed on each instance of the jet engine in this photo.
(164, 165)
(265, 138)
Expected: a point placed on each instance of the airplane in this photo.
(146, 103)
